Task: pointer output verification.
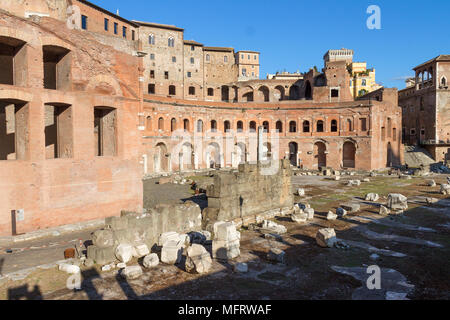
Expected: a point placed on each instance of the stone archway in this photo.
(240, 152)
(349, 155)
(186, 157)
(389, 155)
(213, 156)
(293, 151)
(320, 157)
(308, 90)
(161, 158)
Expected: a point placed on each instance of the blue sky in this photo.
(294, 35)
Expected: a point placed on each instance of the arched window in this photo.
(210, 92)
(443, 81)
(279, 126)
(148, 123)
(266, 126)
(334, 126)
(172, 90)
(213, 125)
(161, 124)
(226, 126)
(199, 126)
(252, 126)
(171, 42)
(293, 126)
(151, 39)
(173, 125)
(320, 126)
(207, 57)
(186, 124)
(240, 126)
(306, 126)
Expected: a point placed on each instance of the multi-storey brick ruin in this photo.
(90, 102)
(425, 103)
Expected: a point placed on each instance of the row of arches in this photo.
(306, 126)
(213, 156)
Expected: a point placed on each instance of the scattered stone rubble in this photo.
(397, 202)
(351, 207)
(372, 197)
(198, 259)
(276, 255)
(151, 261)
(331, 216)
(172, 252)
(384, 211)
(341, 212)
(132, 272)
(431, 183)
(326, 237)
(226, 242)
(272, 227)
(445, 189)
(132, 234)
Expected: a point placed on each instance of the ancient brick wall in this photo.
(52, 170)
(252, 191)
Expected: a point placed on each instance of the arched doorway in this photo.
(241, 151)
(279, 93)
(294, 92)
(293, 150)
(186, 157)
(349, 155)
(225, 93)
(390, 156)
(319, 154)
(263, 93)
(161, 158)
(308, 90)
(213, 156)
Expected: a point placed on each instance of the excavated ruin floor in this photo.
(412, 250)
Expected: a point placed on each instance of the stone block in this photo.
(397, 201)
(132, 272)
(372, 197)
(151, 261)
(103, 238)
(198, 259)
(351, 207)
(124, 252)
(140, 251)
(101, 255)
(326, 237)
(276, 255)
(331, 216)
(225, 250)
(171, 252)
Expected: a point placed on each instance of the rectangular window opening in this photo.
(14, 128)
(58, 131)
(57, 66)
(105, 123)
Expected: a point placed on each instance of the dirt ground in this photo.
(412, 249)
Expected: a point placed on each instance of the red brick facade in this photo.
(78, 129)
